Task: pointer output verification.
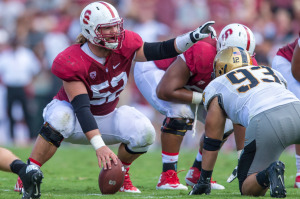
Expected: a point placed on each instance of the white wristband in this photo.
(197, 97)
(183, 42)
(97, 142)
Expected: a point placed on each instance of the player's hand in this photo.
(104, 154)
(202, 186)
(233, 175)
(203, 31)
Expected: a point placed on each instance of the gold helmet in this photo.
(230, 58)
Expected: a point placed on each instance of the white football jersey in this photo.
(248, 91)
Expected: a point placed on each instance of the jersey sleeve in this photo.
(281, 78)
(208, 95)
(67, 67)
(132, 42)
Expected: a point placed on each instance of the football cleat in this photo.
(297, 181)
(19, 185)
(127, 185)
(31, 177)
(193, 175)
(170, 180)
(275, 174)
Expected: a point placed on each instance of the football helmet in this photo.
(96, 16)
(236, 35)
(229, 59)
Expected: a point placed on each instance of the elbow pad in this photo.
(160, 50)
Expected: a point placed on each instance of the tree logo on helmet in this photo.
(86, 17)
(226, 34)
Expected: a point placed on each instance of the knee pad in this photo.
(60, 115)
(177, 126)
(51, 135)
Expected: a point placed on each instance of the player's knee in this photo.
(177, 126)
(50, 135)
(62, 119)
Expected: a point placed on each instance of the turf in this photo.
(73, 174)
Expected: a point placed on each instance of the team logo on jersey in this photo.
(201, 82)
(93, 74)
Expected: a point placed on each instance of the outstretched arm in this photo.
(173, 47)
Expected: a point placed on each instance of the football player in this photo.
(256, 98)
(30, 175)
(174, 86)
(282, 62)
(94, 73)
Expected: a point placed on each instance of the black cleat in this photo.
(275, 174)
(31, 177)
(201, 188)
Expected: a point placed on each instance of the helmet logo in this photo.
(226, 34)
(86, 17)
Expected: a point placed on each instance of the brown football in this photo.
(111, 180)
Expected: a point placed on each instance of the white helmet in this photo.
(236, 35)
(96, 16)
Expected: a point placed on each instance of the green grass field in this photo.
(73, 174)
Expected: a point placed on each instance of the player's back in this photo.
(249, 90)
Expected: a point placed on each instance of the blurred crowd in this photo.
(33, 32)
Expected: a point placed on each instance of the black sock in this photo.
(170, 166)
(16, 166)
(205, 176)
(263, 179)
(197, 164)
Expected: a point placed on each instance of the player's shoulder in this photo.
(132, 41)
(69, 62)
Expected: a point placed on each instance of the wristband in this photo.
(197, 97)
(97, 142)
(184, 42)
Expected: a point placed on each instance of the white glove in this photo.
(185, 41)
(203, 32)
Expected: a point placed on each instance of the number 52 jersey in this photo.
(248, 91)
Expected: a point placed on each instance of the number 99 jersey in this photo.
(248, 91)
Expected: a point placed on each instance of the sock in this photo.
(199, 156)
(169, 161)
(298, 163)
(126, 166)
(34, 162)
(263, 179)
(205, 176)
(197, 164)
(16, 166)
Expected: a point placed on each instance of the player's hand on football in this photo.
(104, 154)
(203, 31)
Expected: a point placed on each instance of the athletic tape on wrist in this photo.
(183, 42)
(197, 97)
(97, 142)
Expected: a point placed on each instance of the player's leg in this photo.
(194, 172)
(59, 120)
(282, 65)
(147, 77)
(30, 175)
(136, 133)
(267, 135)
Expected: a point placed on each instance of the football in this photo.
(111, 180)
